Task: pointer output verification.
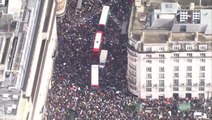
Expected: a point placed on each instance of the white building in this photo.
(170, 54)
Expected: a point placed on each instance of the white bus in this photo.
(103, 18)
(103, 58)
(94, 75)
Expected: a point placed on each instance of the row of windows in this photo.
(188, 88)
(149, 83)
(189, 82)
(178, 47)
(149, 89)
(189, 54)
(149, 69)
(189, 68)
(202, 60)
(175, 75)
(189, 47)
(149, 49)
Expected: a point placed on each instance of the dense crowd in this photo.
(71, 89)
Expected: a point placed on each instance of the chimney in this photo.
(192, 5)
(196, 36)
(170, 36)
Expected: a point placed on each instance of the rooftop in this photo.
(157, 21)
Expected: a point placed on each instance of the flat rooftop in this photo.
(142, 18)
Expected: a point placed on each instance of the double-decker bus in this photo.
(95, 76)
(97, 42)
(101, 27)
(103, 58)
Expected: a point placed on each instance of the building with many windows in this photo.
(28, 41)
(170, 51)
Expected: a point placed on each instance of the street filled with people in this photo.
(71, 93)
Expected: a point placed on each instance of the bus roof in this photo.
(98, 40)
(104, 15)
(95, 75)
(103, 54)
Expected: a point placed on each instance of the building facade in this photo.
(28, 41)
(169, 52)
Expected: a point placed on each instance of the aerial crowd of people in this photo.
(70, 88)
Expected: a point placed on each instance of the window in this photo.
(202, 54)
(148, 89)
(202, 82)
(201, 95)
(189, 60)
(161, 55)
(189, 68)
(161, 75)
(176, 68)
(132, 66)
(161, 89)
(189, 75)
(176, 82)
(161, 83)
(132, 53)
(188, 82)
(148, 83)
(202, 75)
(148, 69)
(133, 59)
(161, 69)
(202, 68)
(162, 48)
(176, 54)
(201, 88)
(161, 61)
(176, 47)
(148, 56)
(189, 54)
(132, 72)
(149, 76)
(175, 88)
(176, 60)
(149, 49)
(132, 80)
(176, 75)
(148, 61)
(188, 88)
(132, 86)
(202, 60)
(202, 47)
(189, 47)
